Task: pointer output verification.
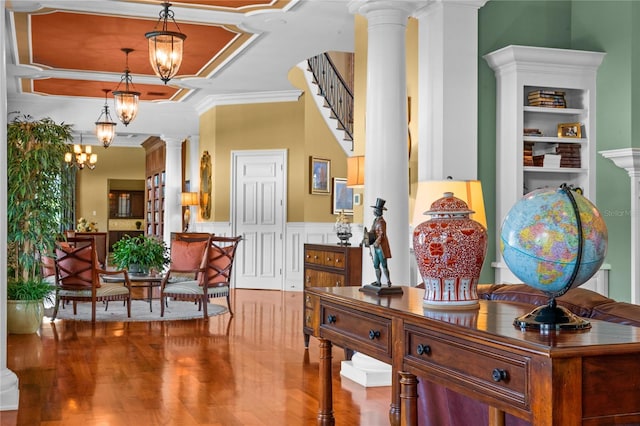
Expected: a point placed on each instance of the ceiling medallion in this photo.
(165, 47)
(126, 101)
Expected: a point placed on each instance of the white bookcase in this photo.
(521, 70)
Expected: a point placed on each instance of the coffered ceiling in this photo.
(68, 52)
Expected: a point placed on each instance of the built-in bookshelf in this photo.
(155, 186)
(545, 125)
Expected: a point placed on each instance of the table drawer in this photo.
(344, 325)
(490, 371)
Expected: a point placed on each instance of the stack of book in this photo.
(547, 98)
(531, 132)
(570, 155)
(530, 160)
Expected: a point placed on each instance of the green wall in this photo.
(586, 25)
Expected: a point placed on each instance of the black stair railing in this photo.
(334, 90)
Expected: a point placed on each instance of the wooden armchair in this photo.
(78, 277)
(214, 282)
(101, 243)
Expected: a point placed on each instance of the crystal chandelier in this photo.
(126, 100)
(81, 157)
(165, 47)
(105, 127)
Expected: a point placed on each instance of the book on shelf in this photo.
(531, 132)
(547, 92)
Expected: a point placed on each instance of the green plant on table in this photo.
(145, 251)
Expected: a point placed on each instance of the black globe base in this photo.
(551, 317)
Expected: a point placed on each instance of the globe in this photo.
(553, 240)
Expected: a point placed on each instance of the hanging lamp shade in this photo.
(126, 101)
(105, 126)
(165, 47)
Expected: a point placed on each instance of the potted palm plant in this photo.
(37, 195)
(140, 254)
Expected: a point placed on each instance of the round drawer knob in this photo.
(423, 349)
(499, 374)
(331, 319)
(374, 334)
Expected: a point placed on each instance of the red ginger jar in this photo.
(450, 249)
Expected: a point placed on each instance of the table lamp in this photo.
(188, 199)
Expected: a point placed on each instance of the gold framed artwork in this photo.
(569, 130)
(205, 185)
(342, 199)
(319, 176)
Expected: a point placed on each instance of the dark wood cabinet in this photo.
(328, 266)
(155, 175)
(126, 204)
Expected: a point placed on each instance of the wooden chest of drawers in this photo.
(328, 266)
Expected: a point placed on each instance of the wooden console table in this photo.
(566, 378)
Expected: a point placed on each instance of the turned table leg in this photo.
(409, 398)
(325, 413)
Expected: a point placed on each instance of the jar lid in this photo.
(449, 205)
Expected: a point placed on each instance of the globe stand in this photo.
(551, 317)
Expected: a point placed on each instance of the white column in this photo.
(629, 159)
(447, 90)
(9, 391)
(387, 160)
(172, 186)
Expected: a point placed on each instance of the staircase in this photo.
(334, 98)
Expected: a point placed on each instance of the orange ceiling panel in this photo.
(95, 89)
(77, 41)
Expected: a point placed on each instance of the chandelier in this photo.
(105, 127)
(126, 100)
(165, 47)
(81, 157)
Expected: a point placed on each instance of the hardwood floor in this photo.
(250, 370)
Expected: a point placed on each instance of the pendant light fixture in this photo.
(81, 157)
(165, 47)
(105, 126)
(126, 100)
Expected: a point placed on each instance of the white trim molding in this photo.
(629, 159)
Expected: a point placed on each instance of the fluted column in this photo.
(9, 391)
(629, 159)
(387, 159)
(172, 186)
(448, 89)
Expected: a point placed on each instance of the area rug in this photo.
(117, 311)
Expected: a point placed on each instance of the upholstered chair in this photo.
(78, 277)
(212, 279)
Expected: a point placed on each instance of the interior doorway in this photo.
(258, 213)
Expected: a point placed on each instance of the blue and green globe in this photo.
(540, 242)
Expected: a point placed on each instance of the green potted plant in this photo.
(37, 196)
(140, 254)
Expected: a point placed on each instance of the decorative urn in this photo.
(450, 249)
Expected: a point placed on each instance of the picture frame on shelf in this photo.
(319, 176)
(569, 130)
(342, 199)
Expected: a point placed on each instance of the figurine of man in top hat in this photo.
(381, 251)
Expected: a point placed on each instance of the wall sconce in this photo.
(165, 47)
(469, 191)
(126, 101)
(188, 199)
(105, 126)
(355, 171)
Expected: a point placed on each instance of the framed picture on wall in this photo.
(342, 200)
(319, 175)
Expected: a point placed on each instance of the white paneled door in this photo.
(258, 211)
